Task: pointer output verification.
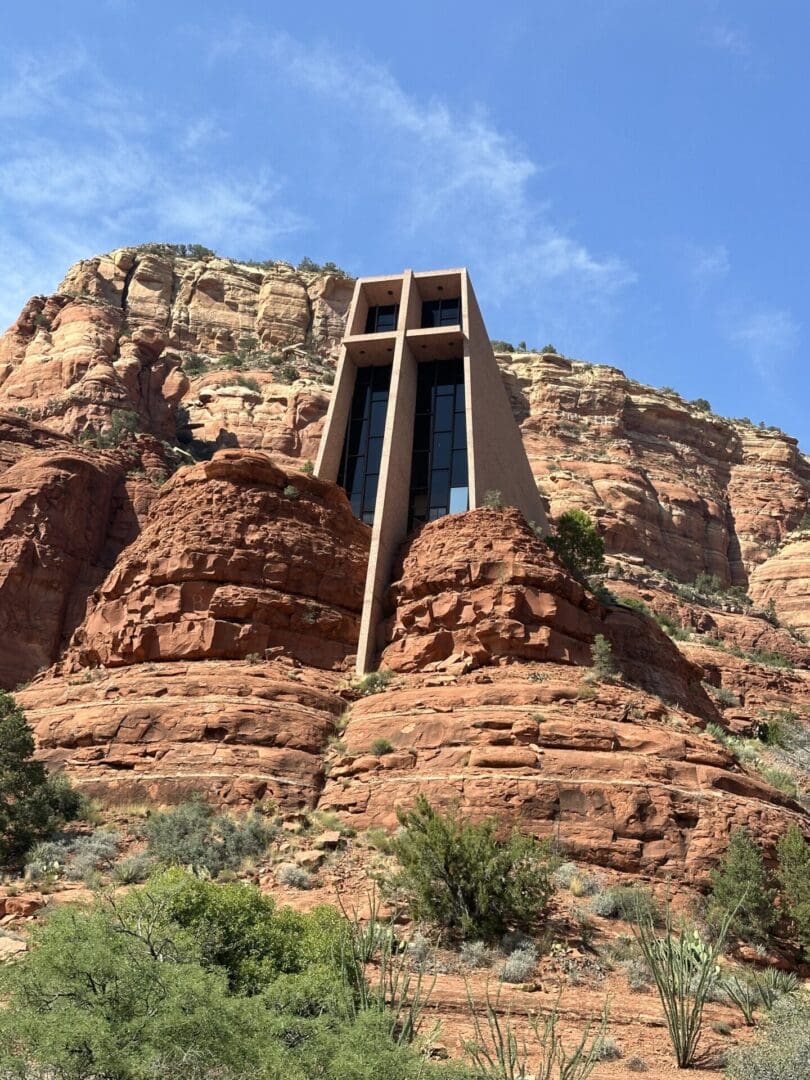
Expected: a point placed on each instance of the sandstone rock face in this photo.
(784, 580)
(118, 330)
(235, 732)
(237, 557)
(286, 421)
(55, 506)
(481, 587)
(616, 776)
(671, 485)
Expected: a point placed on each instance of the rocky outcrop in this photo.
(121, 325)
(784, 580)
(56, 503)
(258, 413)
(156, 733)
(610, 772)
(237, 557)
(477, 588)
(671, 484)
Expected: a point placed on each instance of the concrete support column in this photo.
(391, 511)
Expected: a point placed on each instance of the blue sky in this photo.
(628, 179)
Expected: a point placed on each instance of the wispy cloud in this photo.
(106, 170)
(453, 178)
(707, 265)
(768, 336)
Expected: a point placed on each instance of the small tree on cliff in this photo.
(740, 887)
(578, 543)
(32, 804)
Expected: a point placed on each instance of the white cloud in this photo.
(707, 265)
(454, 178)
(768, 336)
(729, 39)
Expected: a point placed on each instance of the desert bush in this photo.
(794, 882)
(773, 984)
(193, 835)
(96, 851)
(636, 1064)
(497, 1052)
(637, 974)
(740, 886)
(628, 902)
(291, 491)
(372, 683)
(519, 965)
(297, 877)
(32, 803)
(607, 1049)
(462, 876)
(248, 382)
(683, 968)
(381, 746)
(782, 1052)
(194, 364)
(134, 869)
(578, 544)
(476, 954)
(603, 666)
(741, 992)
(493, 500)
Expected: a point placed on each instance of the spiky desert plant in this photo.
(684, 967)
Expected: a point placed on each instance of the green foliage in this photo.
(702, 404)
(291, 491)
(603, 666)
(248, 383)
(124, 423)
(461, 876)
(287, 373)
(309, 266)
(578, 544)
(308, 467)
(627, 902)
(741, 891)
(381, 746)
(194, 364)
(193, 835)
(182, 251)
(783, 1050)
(372, 683)
(502, 346)
(684, 967)
(794, 882)
(497, 1052)
(493, 500)
(32, 804)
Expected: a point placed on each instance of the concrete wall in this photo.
(497, 458)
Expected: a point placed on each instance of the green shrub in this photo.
(123, 425)
(193, 835)
(603, 666)
(493, 500)
(32, 804)
(291, 491)
(194, 364)
(372, 683)
(794, 882)
(462, 877)
(293, 875)
(381, 746)
(702, 404)
(519, 964)
(308, 467)
(248, 382)
(578, 544)
(741, 890)
(629, 902)
(782, 1052)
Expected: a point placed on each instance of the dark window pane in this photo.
(374, 455)
(368, 517)
(443, 415)
(450, 312)
(378, 410)
(371, 320)
(460, 430)
(431, 312)
(421, 433)
(460, 393)
(440, 487)
(371, 492)
(436, 512)
(459, 468)
(357, 504)
(442, 444)
(358, 475)
(419, 471)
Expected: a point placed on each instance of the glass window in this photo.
(439, 483)
(382, 318)
(362, 446)
(459, 500)
(441, 312)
